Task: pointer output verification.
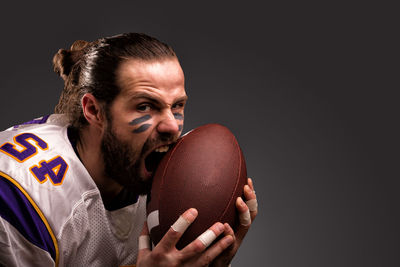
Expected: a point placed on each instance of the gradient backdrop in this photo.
(308, 89)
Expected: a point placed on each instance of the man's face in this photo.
(144, 120)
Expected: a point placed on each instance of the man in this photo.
(73, 185)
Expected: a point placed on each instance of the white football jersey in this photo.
(51, 211)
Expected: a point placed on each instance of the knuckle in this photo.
(198, 246)
(218, 228)
(157, 255)
(222, 245)
(164, 258)
(206, 260)
(174, 234)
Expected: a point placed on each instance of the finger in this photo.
(229, 230)
(244, 219)
(145, 229)
(250, 183)
(251, 201)
(203, 241)
(244, 212)
(229, 251)
(144, 242)
(176, 230)
(216, 249)
(248, 193)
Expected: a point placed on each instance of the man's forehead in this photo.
(160, 70)
(139, 78)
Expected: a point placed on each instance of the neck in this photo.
(89, 150)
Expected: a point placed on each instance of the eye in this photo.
(145, 107)
(179, 105)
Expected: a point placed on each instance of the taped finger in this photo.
(180, 225)
(207, 237)
(245, 218)
(252, 204)
(144, 242)
(174, 233)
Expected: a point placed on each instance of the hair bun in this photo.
(79, 45)
(64, 60)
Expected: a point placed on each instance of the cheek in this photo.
(179, 117)
(142, 128)
(141, 124)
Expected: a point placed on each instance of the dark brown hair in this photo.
(91, 68)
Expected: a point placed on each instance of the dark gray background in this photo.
(308, 88)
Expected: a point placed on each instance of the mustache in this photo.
(159, 141)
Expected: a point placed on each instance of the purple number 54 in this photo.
(54, 169)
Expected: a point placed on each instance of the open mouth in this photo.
(154, 158)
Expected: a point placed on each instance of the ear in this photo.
(92, 110)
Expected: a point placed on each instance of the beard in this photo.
(122, 163)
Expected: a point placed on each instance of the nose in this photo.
(168, 124)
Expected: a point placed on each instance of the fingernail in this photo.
(193, 212)
(220, 227)
(248, 189)
(241, 202)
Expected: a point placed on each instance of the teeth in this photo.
(162, 149)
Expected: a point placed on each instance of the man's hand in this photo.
(247, 213)
(194, 254)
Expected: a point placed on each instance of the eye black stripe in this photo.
(140, 120)
(180, 127)
(142, 128)
(178, 116)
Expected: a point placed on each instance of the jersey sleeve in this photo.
(26, 238)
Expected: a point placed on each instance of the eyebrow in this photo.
(154, 99)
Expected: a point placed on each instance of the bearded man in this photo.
(73, 184)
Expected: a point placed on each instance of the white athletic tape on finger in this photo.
(180, 225)
(144, 242)
(245, 218)
(252, 204)
(207, 237)
(152, 220)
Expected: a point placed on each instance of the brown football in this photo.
(205, 170)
